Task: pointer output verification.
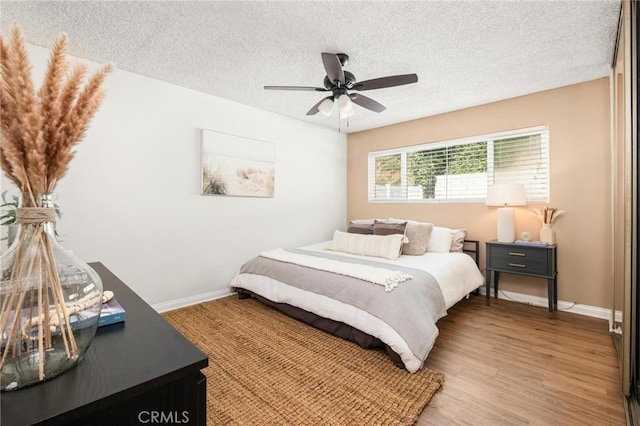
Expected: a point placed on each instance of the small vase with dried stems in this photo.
(547, 216)
(49, 300)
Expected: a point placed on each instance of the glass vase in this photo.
(547, 235)
(50, 300)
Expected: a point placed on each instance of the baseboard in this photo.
(564, 306)
(191, 300)
(576, 308)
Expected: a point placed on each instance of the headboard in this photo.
(472, 248)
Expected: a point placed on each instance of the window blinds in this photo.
(461, 170)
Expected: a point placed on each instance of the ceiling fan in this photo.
(339, 82)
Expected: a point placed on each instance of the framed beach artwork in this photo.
(237, 166)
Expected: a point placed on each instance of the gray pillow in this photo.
(418, 234)
(389, 228)
(360, 228)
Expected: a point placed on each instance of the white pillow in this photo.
(440, 241)
(386, 246)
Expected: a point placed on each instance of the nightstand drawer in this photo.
(520, 265)
(516, 252)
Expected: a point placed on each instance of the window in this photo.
(461, 170)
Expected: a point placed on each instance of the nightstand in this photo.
(521, 259)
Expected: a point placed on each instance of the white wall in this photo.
(131, 198)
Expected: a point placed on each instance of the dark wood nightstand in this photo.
(521, 259)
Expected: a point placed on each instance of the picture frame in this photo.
(237, 166)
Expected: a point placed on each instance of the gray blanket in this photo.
(411, 309)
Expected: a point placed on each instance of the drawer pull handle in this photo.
(515, 253)
(517, 265)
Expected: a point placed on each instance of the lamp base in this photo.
(506, 227)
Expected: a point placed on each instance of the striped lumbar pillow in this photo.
(386, 246)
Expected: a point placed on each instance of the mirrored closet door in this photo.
(624, 206)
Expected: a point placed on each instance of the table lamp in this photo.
(506, 195)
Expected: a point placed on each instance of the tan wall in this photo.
(578, 120)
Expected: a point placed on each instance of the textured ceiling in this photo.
(465, 53)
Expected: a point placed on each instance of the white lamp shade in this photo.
(326, 107)
(506, 194)
(345, 105)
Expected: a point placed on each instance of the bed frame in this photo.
(472, 248)
(330, 326)
(341, 329)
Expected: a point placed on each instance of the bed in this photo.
(392, 303)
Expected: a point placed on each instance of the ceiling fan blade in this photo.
(382, 82)
(304, 88)
(333, 67)
(366, 102)
(314, 110)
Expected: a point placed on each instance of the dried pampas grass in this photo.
(39, 130)
(37, 134)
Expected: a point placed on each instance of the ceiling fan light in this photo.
(343, 102)
(345, 105)
(326, 106)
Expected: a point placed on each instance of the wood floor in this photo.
(510, 364)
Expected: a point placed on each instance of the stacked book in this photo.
(111, 313)
(531, 243)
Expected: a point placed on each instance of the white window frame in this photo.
(489, 138)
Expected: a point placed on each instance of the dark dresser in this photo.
(142, 371)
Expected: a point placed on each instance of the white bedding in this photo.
(456, 274)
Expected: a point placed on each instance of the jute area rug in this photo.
(266, 368)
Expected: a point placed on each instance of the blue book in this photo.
(111, 313)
